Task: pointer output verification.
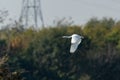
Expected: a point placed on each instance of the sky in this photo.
(80, 10)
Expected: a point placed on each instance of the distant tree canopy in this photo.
(44, 55)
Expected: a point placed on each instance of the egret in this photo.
(75, 41)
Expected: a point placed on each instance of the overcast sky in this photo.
(80, 10)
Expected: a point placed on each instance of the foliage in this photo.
(30, 54)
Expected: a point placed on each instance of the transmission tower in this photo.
(31, 13)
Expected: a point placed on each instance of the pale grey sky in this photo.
(80, 10)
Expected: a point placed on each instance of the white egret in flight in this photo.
(75, 41)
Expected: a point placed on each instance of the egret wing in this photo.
(79, 41)
(66, 36)
(73, 47)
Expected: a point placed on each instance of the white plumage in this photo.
(75, 41)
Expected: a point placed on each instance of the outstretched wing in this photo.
(66, 36)
(73, 47)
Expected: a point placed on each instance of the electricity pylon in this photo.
(31, 13)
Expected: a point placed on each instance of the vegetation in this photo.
(28, 54)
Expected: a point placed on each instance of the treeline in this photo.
(29, 54)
